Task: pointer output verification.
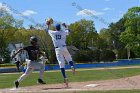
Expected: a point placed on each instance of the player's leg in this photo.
(41, 68)
(24, 75)
(27, 72)
(61, 61)
(69, 59)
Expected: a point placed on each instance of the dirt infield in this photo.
(115, 84)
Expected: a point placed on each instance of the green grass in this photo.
(6, 80)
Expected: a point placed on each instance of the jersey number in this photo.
(58, 37)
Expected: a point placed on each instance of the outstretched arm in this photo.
(17, 52)
(47, 28)
(66, 27)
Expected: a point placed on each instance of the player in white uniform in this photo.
(32, 62)
(59, 37)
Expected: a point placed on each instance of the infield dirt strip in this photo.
(115, 84)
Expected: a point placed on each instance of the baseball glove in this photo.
(49, 21)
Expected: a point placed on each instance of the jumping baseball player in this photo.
(59, 37)
(32, 62)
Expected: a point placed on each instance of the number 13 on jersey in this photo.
(58, 37)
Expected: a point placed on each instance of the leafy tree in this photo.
(111, 35)
(105, 36)
(8, 27)
(131, 36)
(83, 34)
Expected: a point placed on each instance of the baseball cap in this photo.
(57, 26)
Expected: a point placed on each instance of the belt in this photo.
(62, 46)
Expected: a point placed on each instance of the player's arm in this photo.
(47, 28)
(49, 21)
(66, 27)
(17, 52)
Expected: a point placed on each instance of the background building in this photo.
(13, 48)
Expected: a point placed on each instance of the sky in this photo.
(102, 12)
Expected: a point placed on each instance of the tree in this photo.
(105, 36)
(111, 36)
(131, 36)
(83, 34)
(8, 27)
(115, 29)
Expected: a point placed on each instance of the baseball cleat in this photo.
(73, 70)
(40, 81)
(66, 82)
(16, 84)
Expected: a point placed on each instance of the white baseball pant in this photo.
(62, 54)
(31, 65)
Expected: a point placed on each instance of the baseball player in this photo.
(32, 62)
(59, 37)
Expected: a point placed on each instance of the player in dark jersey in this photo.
(32, 62)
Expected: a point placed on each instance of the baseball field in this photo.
(101, 80)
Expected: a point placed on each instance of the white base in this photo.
(92, 85)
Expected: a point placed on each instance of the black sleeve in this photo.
(26, 48)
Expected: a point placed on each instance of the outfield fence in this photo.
(92, 65)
